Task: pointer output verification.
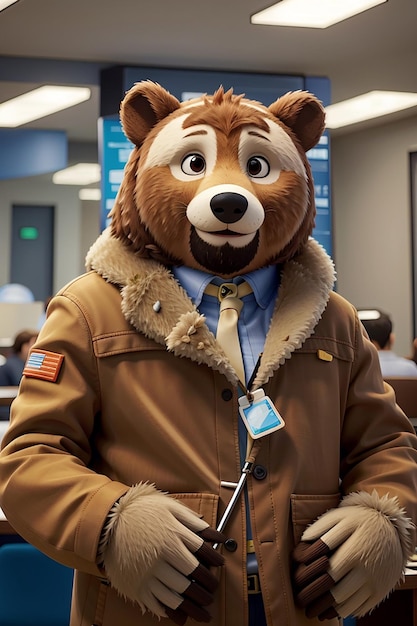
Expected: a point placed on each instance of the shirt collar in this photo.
(264, 282)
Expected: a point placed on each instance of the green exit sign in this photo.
(29, 232)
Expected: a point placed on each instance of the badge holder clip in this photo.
(261, 418)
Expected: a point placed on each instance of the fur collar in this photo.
(157, 306)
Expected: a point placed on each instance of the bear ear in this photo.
(144, 106)
(303, 113)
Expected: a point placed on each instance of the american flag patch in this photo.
(44, 365)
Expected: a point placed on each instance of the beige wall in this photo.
(372, 213)
(76, 224)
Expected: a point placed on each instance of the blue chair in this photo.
(34, 589)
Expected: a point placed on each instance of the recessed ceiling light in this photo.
(6, 3)
(367, 106)
(40, 103)
(89, 194)
(369, 314)
(80, 174)
(311, 13)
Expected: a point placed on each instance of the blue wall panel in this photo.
(29, 152)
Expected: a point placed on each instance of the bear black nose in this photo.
(228, 207)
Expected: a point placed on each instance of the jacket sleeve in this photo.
(378, 442)
(48, 491)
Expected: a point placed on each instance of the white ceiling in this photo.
(374, 50)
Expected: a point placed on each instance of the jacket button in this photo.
(230, 545)
(259, 472)
(227, 394)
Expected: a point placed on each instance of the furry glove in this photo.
(154, 552)
(352, 557)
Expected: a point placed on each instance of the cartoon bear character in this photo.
(128, 458)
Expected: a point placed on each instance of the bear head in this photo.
(218, 183)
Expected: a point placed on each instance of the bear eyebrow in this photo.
(196, 132)
(255, 134)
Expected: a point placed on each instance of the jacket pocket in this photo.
(121, 342)
(204, 504)
(305, 509)
(327, 348)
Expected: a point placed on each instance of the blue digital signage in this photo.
(114, 151)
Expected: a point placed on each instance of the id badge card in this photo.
(260, 416)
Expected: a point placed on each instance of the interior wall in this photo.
(76, 224)
(90, 220)
(372, 221)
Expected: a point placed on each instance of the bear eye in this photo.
(193, 164)
(258, 167)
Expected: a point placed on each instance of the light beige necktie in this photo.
(231, 305)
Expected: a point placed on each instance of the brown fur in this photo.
(149, 214)
(160, 528)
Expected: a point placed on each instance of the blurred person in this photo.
(11, 371)
(379, 327)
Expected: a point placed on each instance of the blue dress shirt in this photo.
(255, 317)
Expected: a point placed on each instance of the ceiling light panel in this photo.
(369, 314)
(311, 13)
(39, 103)
(368, 106)
(89, 194)
(80, 174)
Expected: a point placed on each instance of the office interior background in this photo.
(373, 188)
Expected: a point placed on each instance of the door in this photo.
(32, 249)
